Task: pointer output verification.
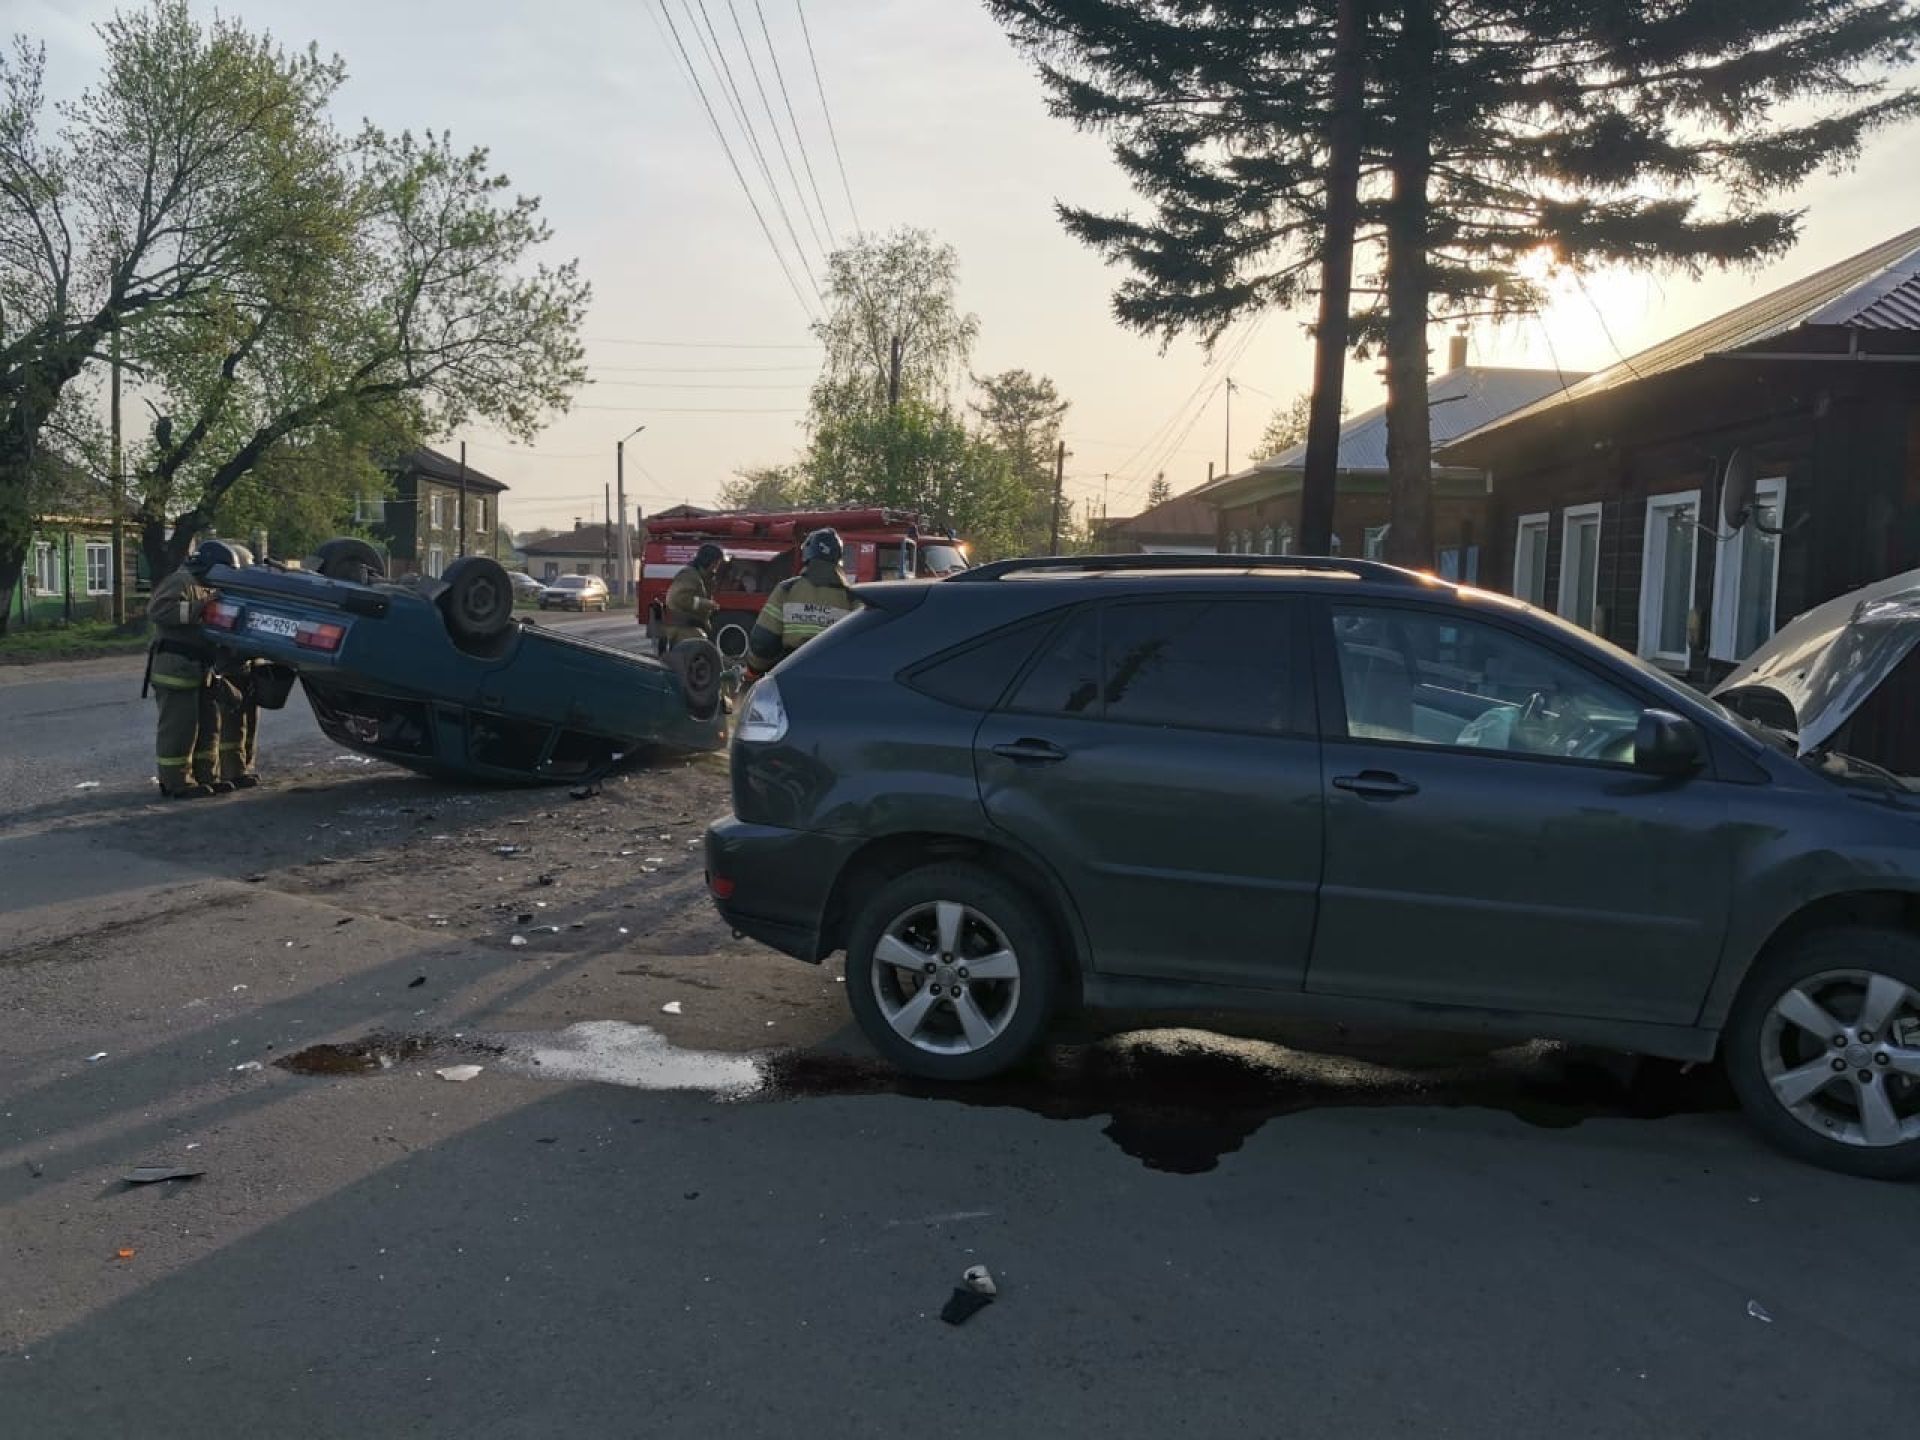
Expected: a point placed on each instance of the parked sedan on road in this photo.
(575, 592)
(438, 676)
(526, 589)
(1330, 787)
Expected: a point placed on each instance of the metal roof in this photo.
(1459, 401)
(424, 460)
(1878, 289)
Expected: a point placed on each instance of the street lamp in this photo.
(620, 498)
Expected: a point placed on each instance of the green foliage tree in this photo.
(182, 168)
(919, 456)
(894, 327)
(764, 487)
(1286, 428)
(1490, 128)
(1020, 415)
(1159, 491)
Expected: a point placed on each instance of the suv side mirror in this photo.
(1666, 744)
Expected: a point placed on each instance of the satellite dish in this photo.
(1736, 489)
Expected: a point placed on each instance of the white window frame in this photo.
(1540, 523)
(369, 509)
(479, 514)
(435, 520)
(1727, 575)
(47, 579)
(1569, 517)
(436, 560)
(103, 551)
(1653, 562)
(1373, 542)
(1283, 540)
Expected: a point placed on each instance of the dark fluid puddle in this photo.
(1180, 1101)
(1176, 1100)
(364, 1057)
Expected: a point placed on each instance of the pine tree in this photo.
(1159, 491)
(1491, 129)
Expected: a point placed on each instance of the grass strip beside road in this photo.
(82, 640)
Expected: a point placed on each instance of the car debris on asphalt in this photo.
(154, 1174)
(459, 1074)
(672, 1007)
(1759, 1312)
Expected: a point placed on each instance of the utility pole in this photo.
(606, 532)
(119, 498)
(896, 355)
(1322, 464)
(463, 498)
(1059, 483)
(1227, 463)
(624, 544)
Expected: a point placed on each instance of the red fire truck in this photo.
(763, 548)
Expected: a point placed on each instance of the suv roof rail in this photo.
(1361, 569)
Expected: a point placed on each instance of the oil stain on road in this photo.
(1178, 1101)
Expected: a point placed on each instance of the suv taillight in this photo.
(765, 720)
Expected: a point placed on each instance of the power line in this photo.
(773, 123)
(702, 385)
(707, 369)
(799, 139)
(832, 134)
(753, 140)
(700, 344)
(745, 189)
(693, 410)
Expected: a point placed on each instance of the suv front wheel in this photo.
(1823, 1049)
(951, 972)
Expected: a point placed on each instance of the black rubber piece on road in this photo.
(478, 600)
(1851, 947)
(1017, 917)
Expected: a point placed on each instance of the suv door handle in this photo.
(1376, 785)
(1031, 752)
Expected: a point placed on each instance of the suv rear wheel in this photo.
(951, 972)
(1823, 1049)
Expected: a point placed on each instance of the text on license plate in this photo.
(272, 624)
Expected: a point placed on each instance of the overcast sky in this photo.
(695, 333)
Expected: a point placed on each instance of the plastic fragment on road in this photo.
(88, 785)
(518, 940)
(96, 1057)
(125, 1252)
(245, 1066)
(154, 1174)
(459, 1074)
(416, 982)
(506, 849)
(672, 1007)
(979, 1278)
(1759, 1312)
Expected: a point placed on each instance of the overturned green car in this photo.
(438, 675)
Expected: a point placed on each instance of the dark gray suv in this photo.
(1327, 787)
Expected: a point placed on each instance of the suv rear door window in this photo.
(1194, 663)
(977, 675)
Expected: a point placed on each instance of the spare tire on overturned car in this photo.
(698, 666)
(347, 557)
(477, 600)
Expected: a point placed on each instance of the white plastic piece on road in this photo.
(245, 1066)
(96, 1057)
(672, 1007)
(88, 785)
(979, 1280)
(1759, 1311)
(518, 940)
(458, 1073)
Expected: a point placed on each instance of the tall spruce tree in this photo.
(1654, 133)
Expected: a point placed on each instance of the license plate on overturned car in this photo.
(272, 624)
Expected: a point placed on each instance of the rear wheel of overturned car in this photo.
(349, 558)
(696, 664)
(478, 600)
(1823, 1049)
(951, 972)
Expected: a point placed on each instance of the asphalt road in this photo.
(727, 1221)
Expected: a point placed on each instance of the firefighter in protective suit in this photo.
(233, 696)
(689, 604)
(800, 608)
(180, 670)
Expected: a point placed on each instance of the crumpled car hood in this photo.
(1826, 662)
